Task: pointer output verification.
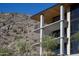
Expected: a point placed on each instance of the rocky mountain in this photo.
(17, 36)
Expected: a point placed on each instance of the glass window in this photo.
(74, 26)
(57, 33)
(74, 20)
(56, 18)
(74, 11)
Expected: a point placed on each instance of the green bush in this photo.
(5, 52)
(75, 36)
(18, 37)
(23, 47)
(49, 43)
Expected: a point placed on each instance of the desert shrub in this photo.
(5, 52)
(23, 47)
(34, 53)
(18, 37)
(14, 30)
(49, 44)
(75, 36)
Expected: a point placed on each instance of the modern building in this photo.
(63, 21)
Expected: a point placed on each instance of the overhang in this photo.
(51, 12)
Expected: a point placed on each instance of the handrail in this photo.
(48, 25)
(53, 39)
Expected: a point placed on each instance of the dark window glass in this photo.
(74, 19)
(56, 18)
(74, 26)
(74, 11)
(57, 33)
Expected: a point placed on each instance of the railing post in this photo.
(68, 31)
(41, 32)
(61, 30)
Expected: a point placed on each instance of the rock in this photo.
(15, 27)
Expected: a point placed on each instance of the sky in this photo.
(25, 8)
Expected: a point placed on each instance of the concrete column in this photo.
(68, 31)
(62, 30)
(41, 32)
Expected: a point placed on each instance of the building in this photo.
(65, 22)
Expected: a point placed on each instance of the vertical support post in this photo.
(68, 32)
(62, 30)
(41, 32)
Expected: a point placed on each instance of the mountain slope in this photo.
(16, 36)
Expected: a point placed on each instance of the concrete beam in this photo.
(62, 30)
(68, 31)
(41, 32)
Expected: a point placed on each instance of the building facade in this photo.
(68, 25)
